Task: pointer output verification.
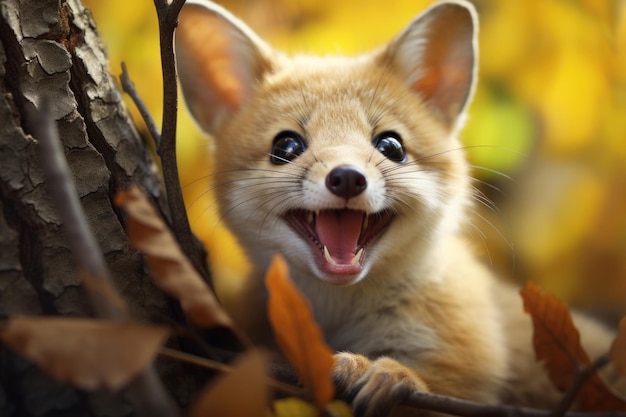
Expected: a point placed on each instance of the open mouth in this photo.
(339, 237)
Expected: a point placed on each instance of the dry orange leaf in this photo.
(618, 349)
(89, 354)
(557, 344)
(169, 267)
(242, 392)
(297, 333)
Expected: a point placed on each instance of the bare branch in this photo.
(176, 5)
(218, 366)
(464, 408)
(451, 405)
(78, 235)
(168, 20)
(129, 88)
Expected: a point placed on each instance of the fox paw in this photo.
(374, 387)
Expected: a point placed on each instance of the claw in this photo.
(374, 387)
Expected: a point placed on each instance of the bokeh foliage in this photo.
(547, 127)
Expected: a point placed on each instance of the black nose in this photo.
(346, 181)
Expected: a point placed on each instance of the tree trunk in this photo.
(49, 48)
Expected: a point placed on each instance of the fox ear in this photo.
(218, 59)
(436, 55)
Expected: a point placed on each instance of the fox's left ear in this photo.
(436, 55)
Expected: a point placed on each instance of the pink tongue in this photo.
(339, 231)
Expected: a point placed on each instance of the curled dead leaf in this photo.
(89, 354)
(298, 335)
(555, 338)
(242, 392)
(169, 267)
(557, 344)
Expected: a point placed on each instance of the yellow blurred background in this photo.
(546, 134)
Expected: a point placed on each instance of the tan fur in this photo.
(422, 313)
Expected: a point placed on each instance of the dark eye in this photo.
(286, 147)
(390, 144)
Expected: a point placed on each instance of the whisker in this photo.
(397, 179)
(480, 197)
(197, 180)
(494, 171)
(501, 235)
(265, 192)
(250, 196)
(483, 238)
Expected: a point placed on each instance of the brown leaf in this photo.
(555, 338)
(89, 354)
(240, 393)
(297, 333)
(618, 349)
(557, 344)
(169, 267)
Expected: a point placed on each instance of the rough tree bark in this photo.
(50, 48)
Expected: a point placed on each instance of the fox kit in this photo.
(351, 168)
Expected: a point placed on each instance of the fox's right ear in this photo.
(436, 55)
(218, 59)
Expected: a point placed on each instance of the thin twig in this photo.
(582, 377)
(129, 88)
(456, 406)
(168, 20)
(464, 408)
(146, 391)
(218, 366)
(78, 235)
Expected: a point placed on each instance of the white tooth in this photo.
(310, 217)
(328, 258)
(365, 222)
(357, 257)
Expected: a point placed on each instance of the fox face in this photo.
(342, 164)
